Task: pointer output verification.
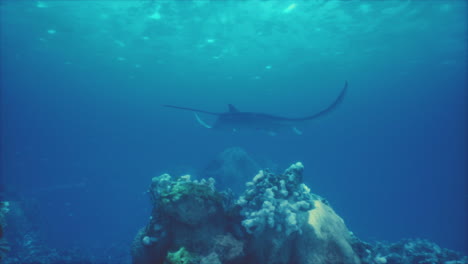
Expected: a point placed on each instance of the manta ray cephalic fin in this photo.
(201, 122)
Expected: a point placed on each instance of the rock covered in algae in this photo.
(184, 200)
(188, 218)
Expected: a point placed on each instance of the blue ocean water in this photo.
(84, 131)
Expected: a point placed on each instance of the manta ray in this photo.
(235, 120)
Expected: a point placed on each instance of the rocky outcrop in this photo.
(276, 220)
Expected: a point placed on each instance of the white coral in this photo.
(275, 202)
(258, 176)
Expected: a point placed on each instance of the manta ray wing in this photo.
(235, 118)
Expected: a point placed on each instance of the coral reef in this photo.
(407, 251)
(183, 206)
(4, 246)
(275, 202)
(289, 224)
(181, 256)
(27, 246)
(328, 236)
(276, 220)
(25, 243)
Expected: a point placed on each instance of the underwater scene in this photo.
(256, 132)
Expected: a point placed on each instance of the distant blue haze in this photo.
(84, 131)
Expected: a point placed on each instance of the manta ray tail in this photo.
(330, 108)
(201, 122)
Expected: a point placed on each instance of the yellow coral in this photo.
(322, 215)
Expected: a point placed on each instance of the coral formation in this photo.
(183, 206)
(178, 199)
(407, 251)
(227, 247)
(289, 224)
(275, 202)
(328, 236)
(4, 246)
(276, 220)
(181, 256)
(27, 246)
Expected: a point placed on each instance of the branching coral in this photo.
(287, 221)
(275, 202)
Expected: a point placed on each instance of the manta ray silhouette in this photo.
(234, 119)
